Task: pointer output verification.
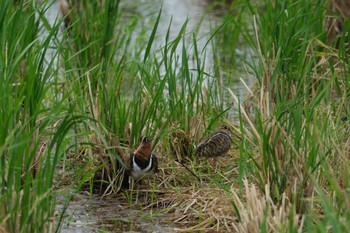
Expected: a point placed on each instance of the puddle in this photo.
(87, 213)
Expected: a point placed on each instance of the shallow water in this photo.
(87, 213)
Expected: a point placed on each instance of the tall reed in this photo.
(33, 127)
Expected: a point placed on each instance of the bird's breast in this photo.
(140, 167)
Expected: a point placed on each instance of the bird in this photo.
(141, 163)
(216, 143)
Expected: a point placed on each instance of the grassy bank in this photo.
(73, 105)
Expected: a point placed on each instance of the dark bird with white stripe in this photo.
(142, 162)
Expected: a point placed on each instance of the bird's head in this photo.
(226, 129)
(145, 147)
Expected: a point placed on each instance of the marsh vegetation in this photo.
(75, 101)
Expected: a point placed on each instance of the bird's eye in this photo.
(226, 127)
(147, 139)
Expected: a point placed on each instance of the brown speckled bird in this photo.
(142, 163)
(216, 143)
